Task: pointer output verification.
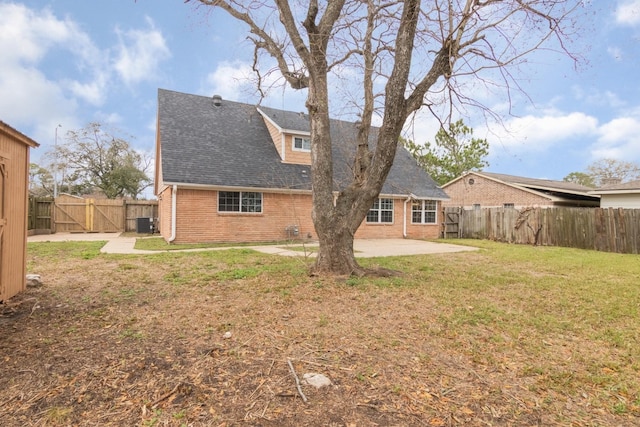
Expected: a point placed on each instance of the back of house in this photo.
(235, 172)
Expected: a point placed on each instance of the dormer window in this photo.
(301, 144)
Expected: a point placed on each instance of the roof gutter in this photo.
(174, 203)
(404, 216)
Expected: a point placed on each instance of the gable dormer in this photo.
(290, 134)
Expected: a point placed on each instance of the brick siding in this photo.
(198, 219)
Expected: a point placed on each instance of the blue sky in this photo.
(70, 62)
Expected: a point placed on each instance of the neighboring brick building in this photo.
(232, 172)
(490, 190)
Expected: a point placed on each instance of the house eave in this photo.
(281, 129)
(599, 193)
(191, 186)
(559, 190)
(16, 134)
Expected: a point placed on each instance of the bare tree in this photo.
(612, 171)
(391, 58)
(93, 158)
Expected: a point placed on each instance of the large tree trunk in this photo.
(336, 226)
(335, 254)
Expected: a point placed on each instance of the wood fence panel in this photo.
(40, 214)
(603, 229)
(139, 209)
(70, 214)
(106, 215)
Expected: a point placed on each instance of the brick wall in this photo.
(198, 219)
(395, 230)
(489, 193)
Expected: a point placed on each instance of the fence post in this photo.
(124, 215)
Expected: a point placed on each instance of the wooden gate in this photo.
(40, 215)
(451, 224)
(76, 214)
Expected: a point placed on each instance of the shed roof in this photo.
(229, 145)
(8, 130)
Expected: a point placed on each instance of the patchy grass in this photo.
(508, 335)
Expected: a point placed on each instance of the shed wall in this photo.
(13, 250)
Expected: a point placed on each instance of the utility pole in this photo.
(55, 164)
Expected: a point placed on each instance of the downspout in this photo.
(174, 193)
(404, 216)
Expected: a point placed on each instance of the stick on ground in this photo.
(295, 376)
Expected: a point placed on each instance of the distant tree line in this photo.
(91, 161)
(605, 172)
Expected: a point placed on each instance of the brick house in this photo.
(233, 172)
(620, 195)
(490, 190)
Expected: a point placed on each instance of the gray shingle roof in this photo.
(539, 184)
(630, 186)
(229, 145)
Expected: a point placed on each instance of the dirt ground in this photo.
(188, 340)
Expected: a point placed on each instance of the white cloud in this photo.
(140, 53)
(538, 133)
(236, 81)
(31, 97)
(26, 35)
(597, 98)
(92, 92)
(231, 80)
(628, 13)
(618, 139)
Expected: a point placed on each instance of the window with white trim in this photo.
(424, 212)
(381, 212)
(301, 144)
(239, 201)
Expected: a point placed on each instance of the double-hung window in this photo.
(301, 144)
(424, 211)
(381, 212)
(239, 201)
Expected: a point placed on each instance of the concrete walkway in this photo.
(364, 248)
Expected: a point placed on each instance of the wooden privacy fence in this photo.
(602, 229)
(71, 214)
(39, 215)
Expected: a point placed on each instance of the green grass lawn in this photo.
(507, 335)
